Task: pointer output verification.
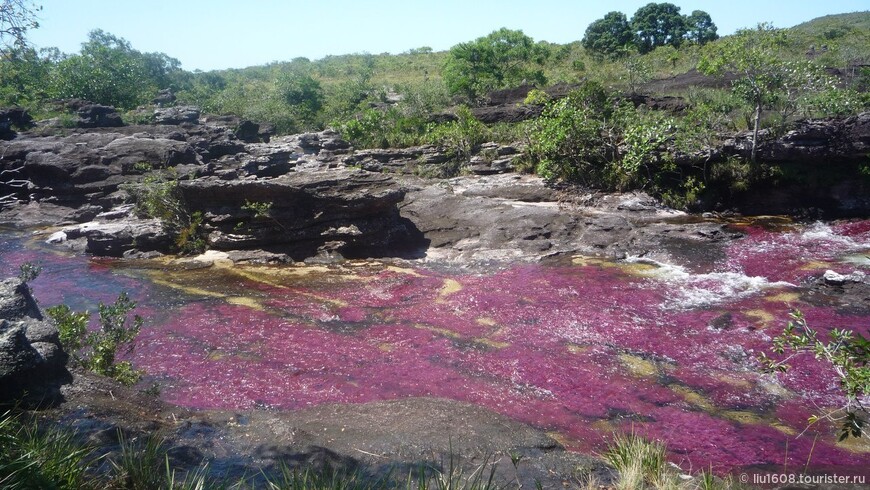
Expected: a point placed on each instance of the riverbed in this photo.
(577, 346)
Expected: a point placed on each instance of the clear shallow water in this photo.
(579, 350)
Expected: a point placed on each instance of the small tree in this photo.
(502, 59)
(755, 55)
(608, 36)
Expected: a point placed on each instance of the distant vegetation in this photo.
(595, 136)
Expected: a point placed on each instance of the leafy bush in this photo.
(157, 196)
(376, 128)
(97, 350)
(109, 71)
(28, 271)
(460, 137)
(847, 352)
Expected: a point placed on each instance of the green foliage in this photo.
(304, 94)
(836, 101)
(23, 72)
(635, 70)
(608, 36)
(536, 97)
(640, 463)
(260, 209)
(504, 58)
(766, 78)
(32, 458)
(847, 352)
(375, 128)
(570, 140)
(460, 137)
(157, 196)
(141, 464)
(700, 28)
(72, 327)
(643, 135)
(658, 24)
(109, 71)
(97, 350)
(28, 271)
(16, 18)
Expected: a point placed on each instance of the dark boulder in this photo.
(177, 115)
(32, 361)
(248, 131)
(98, 116)
(164, 98)
(13, 117)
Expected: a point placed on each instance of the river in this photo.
(580, 347)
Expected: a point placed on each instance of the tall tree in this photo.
(700, 28)
(16, 17)
(499, 60)
(109, 71)
(608, 36)
(658, 24)
(766, 79)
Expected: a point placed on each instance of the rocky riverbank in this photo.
(312, 195)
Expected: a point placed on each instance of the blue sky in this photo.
(216, 34)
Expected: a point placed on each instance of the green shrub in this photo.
(97, 350)
(157, 196)
(573, 138)
(848, 352)
(460, 137)
(375, 128)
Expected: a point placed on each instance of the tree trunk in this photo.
(755, 132)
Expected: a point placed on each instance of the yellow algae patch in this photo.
(492, 343)
(442, 331)
(814, 265)
(186, 289)
(693, 397)
(742, 417)
(584, 260)
(738, 382)
(254, 277)
(783, 298)
(386, 347)
(402, 270)
(784, 428)
(637, 268)
(603, 426)
(450, 286)
(559, 438)
(216, 355)
(577, 348)
(638, 366)
(486, 321)
(245, 301)
(761, 317)
(855, 444)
